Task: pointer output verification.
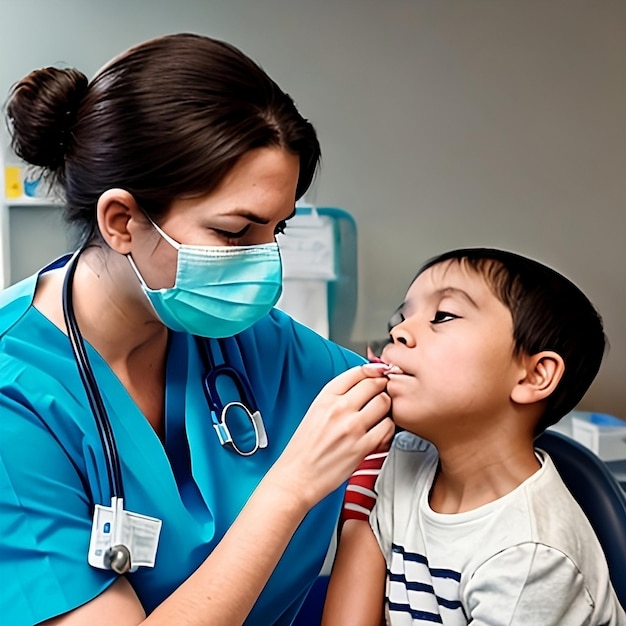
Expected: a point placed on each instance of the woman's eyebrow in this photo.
(253, 217)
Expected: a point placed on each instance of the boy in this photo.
(471, 523)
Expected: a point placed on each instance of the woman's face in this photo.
(248, 207)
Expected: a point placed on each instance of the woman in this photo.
(180, 162)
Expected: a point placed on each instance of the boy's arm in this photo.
(357, 582)
(356, 590)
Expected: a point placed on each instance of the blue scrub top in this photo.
(52, 468)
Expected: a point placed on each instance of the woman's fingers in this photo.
(346, 421)
(352, 392)
(370, 404)
(378, 437)
(355, 400)
(348, 379)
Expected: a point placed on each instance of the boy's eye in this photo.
(280, 227)
(443, 316)
(394, 320)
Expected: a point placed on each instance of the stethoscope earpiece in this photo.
(219, 411)
(118, 559)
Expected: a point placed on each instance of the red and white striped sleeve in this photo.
(360, 497)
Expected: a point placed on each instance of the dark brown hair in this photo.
(549, 312)
(167, 118)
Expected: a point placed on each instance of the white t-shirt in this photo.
(529, 558)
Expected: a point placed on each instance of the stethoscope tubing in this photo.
(213, 371)
(101, 418)
(96, 403)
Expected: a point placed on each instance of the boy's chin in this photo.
(402, 424)
(409, 423)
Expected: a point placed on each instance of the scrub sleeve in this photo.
(52, 469)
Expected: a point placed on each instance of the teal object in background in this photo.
(31, 186)
(604, 419)
(343, 290)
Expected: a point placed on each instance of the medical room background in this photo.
(443, 124)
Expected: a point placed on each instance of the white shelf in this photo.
(26, 201)
(39, 207)
(7, 205)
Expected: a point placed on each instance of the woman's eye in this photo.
(280, 227)
(229, 235)
(443, 316)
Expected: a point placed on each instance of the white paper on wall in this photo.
(307, 302)
(308, 255)
(307, 248)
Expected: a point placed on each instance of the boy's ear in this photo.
(542, 372)
(115, 212)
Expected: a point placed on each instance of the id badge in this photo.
(113, 526)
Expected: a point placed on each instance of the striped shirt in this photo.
(527, 558)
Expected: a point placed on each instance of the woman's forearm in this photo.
(344, 423)
(225, 587)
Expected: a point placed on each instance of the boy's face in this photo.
(454, 344)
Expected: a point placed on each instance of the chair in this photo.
(599, 495)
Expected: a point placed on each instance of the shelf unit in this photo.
(6, 206)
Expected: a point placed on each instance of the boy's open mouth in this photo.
(391, 368)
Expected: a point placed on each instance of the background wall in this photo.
(443, 123)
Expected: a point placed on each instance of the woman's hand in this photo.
(346, 421)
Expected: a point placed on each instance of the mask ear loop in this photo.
(165, 236)
(136, 270)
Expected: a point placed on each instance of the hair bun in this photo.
(42, 109)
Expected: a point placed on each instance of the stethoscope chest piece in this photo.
(122, 540)
(117, 558)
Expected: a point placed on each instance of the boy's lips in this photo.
(391, 368)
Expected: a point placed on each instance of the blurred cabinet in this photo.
(32, 231)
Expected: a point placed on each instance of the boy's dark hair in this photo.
(549, 313)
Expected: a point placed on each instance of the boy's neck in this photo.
(470, 476)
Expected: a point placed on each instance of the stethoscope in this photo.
(118, 557)
(245, 406)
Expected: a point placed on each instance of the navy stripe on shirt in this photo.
(424, 586)
(415, 614)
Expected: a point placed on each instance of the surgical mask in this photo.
(219, 291)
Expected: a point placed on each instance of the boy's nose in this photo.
(399, 334)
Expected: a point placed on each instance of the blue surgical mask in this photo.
(219, 290)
